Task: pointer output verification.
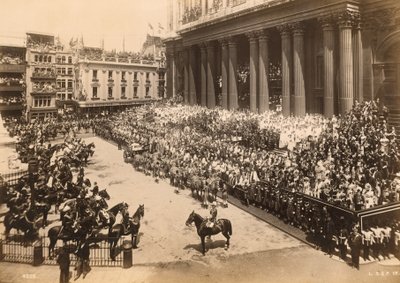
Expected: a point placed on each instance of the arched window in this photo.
(40, 58)
(44, 58)
(70, 60)
(49, 59)
(63, 59)
(36, 58)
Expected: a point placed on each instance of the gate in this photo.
(14, 249)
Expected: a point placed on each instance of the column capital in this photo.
(347, 18)
(223, 41)
(284, 29)
(232, 40)
(327, 22)
(203, 46)
(298, 28)
(262, 34)
(210, 44)
(252, 36)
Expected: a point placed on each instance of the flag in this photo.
(150, 26)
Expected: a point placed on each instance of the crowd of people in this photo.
(11, 81)
(10, 58)
(347, 162)
(11, 99)
(281, 165)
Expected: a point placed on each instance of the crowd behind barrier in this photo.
(348, 163)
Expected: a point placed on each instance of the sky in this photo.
(95, 20)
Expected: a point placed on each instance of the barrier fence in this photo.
(16, 249)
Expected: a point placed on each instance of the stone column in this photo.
(358, 61)
(263, 65)
(186, 54)
(192, 82)
(171, 74)
(203, 75)
(298, 67)
(210, 74)
(253, 39)
(224, 72)
(286, 68)
(345, 21)
(329, 65)
(233, 92)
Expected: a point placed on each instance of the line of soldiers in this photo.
(320, 223)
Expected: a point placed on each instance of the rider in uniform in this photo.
(213, 213)
(125, 220)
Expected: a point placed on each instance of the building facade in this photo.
(319, 56)
(12, 80)
(41, 76)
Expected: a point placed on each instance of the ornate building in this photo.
(12, 80)
(41, 76)
(319, 56)
(109, 79)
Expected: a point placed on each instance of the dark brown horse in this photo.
(28, 223)
(223, 226)
(118, 230)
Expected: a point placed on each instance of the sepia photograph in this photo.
(215, 141)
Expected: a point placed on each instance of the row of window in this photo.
(123, 75)
(63, 60)
(42, 101)
(64, 71)
(63, 96)
(62, 84)
(43, 58)
(123, 92)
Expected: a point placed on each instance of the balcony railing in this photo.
(16, 87)
(40, 75)
(12, 68)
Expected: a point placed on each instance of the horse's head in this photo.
(104, 194)
(141, 210)
(190, 219)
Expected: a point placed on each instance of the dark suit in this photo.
(355, 243)
(64, 262)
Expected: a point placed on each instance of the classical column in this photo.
(186, 54)
(170, 72)
(253, 70)
(358, 61)
(286, 67)
(211, 74)
(298, 67)
(263, 65)
(224, 72)
(203, 75)
(177, 73)
(345, 21)
(233, 92)
(328, 30)
(192, 83)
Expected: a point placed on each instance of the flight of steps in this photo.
(394, 120)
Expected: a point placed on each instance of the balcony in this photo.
(40, 75)
(11, 106)
(95, 80)
(17, 87)
(12, 68)
(194, 16)
(44, 90)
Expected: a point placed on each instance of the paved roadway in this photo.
(170, 252)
